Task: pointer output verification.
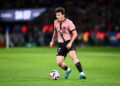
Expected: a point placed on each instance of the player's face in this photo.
(60, 16)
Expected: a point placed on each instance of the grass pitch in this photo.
(31, 67)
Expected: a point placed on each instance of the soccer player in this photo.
(66, 32)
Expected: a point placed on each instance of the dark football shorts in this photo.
(62, 50)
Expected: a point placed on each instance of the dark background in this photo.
(97, 22)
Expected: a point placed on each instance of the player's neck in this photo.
(63, 19)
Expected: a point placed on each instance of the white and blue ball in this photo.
(54, 75)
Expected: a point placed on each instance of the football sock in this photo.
(66, 68)
(79, 67)
(81, 73)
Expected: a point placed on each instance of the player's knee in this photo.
(75, 60)
(59, 64)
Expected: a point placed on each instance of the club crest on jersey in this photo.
(64, 29)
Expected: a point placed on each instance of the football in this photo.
(54, 75)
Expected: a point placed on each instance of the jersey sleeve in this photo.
(71, 26)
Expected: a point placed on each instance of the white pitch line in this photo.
(100, 54)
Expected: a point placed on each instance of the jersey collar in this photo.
(62, 21)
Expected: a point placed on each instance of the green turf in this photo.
(31, 67)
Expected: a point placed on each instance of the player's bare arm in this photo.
(74, 36)
(53, 38)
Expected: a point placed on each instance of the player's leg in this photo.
(61, 64)
(73, 56)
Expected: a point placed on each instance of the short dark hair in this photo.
(60, 9)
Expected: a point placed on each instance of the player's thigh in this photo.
(72, 54)
(60, 59)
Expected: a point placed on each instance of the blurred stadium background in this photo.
(30, 22)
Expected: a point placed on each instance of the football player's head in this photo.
(60, 13)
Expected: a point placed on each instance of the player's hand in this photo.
(51, 44)
(68, 45)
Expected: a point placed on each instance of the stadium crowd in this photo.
(97, 22)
